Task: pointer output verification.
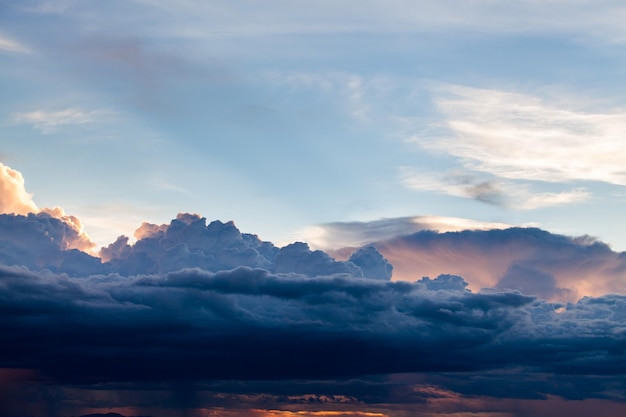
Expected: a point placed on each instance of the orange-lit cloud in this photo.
(16, 200)
(13, 195)
(578, 268)
(147, 230)
(80, 240)
(331, 413)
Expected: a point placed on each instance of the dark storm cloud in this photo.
(252, 324)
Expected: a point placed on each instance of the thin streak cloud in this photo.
(495, 192)
(599, 21)
(49, 121)
(523, 137)
(11, 45)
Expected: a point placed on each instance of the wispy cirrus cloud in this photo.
(493, 191)
(354, 234)
(524, 137)
(11, 45)
(50, 121)
(596, 20)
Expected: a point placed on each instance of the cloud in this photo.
(14, 199)
(49, 122)
(338, 235)
(597, 21)
(296, 330)
(491, 191)
(522, 137)
(13, 195)
(41, 241)
(11, 45)
(250, 324)
(77, 240)
(189, 242)
(531, 260)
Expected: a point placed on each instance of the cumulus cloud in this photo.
(13, 195)
(41, 241)
(189, 242)
(523, 137)
(14, 199)
(291, 326)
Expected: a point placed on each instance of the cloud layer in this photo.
(237, 322)
(249, 324)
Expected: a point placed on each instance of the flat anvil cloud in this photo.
(530, 260)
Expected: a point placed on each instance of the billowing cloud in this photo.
(294, 330)
(77, 240)
(523, 137)
(41, 241)
(13, 195)
(14, 199)
(189, 242)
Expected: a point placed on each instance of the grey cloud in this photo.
(486, 191)
(39, 241)
(286, 322)
(372, 263)
(189, 242)
(342, 325)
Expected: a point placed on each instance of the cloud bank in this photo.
(248, 324)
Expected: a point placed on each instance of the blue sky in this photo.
(285, 115)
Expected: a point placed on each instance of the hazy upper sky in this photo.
(282, 115)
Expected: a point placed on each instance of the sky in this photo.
(452, 172)
(285, 115)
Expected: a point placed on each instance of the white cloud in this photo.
(522, 137)
(337, 235)
(11, 45)
(48, 122)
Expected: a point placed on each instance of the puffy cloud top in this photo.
(189, 242)
(13, 195)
